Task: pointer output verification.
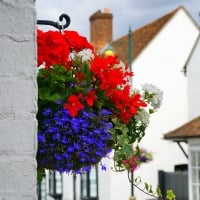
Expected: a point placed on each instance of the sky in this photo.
(126, 13)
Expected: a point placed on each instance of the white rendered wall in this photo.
(161, 64)
(193, 74)
(18, 100)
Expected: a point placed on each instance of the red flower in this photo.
(131, 107)
(73, 105)
(40, 47)
(136, 101)
(90, 98)
(98, 65)
(112, 78)
(52, 48)
(127, 105)
(76, 41)
(131, 164)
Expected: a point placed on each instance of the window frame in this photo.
(86, 191)
(194, 171)
(53, 184)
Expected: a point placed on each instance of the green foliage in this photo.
(148, 190)
(54, 83)
(122, 145)
(170, 195)
(123, 137)
(40, 174)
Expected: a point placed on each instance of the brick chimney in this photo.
(101, 29)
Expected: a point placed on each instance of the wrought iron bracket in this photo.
(56, 24)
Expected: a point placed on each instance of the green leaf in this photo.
(54, 97)
(146, 186)
(151, 111)
(158, 191)
(171, 195)
(150, 189)
(40, 174)
(43, 92)
(138, 180)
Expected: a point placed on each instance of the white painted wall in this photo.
(193, 74)
(18, 103)
(161, 63)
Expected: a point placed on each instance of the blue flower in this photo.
(59, 102)
(103, 167)
(56, 136)
(71, 85)
(58, 157)
(64, 140)
(105, 112)
(70, 149)
(73, 144)
(41, 138)
(47, 112)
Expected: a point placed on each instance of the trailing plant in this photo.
(150, 191)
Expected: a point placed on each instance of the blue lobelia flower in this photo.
(73, 144)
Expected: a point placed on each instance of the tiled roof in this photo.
(140, 37)
(188, 130)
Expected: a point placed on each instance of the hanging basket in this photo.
(86, 106)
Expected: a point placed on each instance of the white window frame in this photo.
(194, 168)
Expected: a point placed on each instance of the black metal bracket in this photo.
(56, 24)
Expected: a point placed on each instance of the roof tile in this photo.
(188, 130)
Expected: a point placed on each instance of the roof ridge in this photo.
(143, 35)
(168, 15)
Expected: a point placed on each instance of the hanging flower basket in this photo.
(86, 106)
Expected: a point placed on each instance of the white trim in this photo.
(194, 146)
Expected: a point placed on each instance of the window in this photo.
(89, 185)
(195, 173)
(55, 185)
(41, 189)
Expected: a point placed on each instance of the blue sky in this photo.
(126, 13)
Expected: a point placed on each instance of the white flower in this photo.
(85, 54)
(155, 95)
(142, 116)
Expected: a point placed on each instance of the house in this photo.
(189, 132)
(161, 63)
(160, 52)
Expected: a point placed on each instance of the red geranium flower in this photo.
(76, 41)
(73, 105)
(90, 98)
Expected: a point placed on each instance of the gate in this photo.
(177, 181)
